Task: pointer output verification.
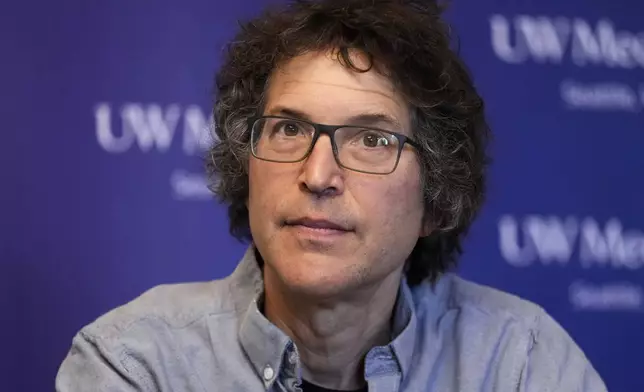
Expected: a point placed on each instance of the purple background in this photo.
(84, 229)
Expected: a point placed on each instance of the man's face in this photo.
(291, 204)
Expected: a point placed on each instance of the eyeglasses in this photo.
(361, 149)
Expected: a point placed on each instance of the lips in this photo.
(319, 224)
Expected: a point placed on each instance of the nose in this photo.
(321, 174)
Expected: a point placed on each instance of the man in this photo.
(352, 156)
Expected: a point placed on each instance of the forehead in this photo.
(327, 91)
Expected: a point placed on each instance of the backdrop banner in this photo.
(109, 109)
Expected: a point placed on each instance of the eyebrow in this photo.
(365, 119)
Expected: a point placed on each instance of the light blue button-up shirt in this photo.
(197, 337)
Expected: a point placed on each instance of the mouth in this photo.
(319, 226)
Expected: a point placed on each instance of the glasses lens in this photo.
(281, 140)
(367, 150)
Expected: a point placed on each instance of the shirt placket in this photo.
(289, 378)
(382, 370)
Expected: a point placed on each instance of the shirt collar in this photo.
(404, 328)
(265, 344)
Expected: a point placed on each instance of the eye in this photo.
(373, 139)
(291, 129)
(287, 128)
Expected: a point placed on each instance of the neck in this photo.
(333, 335)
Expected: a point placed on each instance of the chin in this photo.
(313, 270)
(319, 289)
(320, 276)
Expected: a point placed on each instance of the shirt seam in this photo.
(119, 330)
(118, 352)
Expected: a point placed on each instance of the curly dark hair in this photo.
(409, 42)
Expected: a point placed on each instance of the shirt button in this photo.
(268, 373)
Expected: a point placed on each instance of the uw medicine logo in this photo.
(155, 129)
(557, 40)
(537, 241)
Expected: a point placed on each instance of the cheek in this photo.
(261, 203)
(259, 187)
(393, 208)
(266, 186)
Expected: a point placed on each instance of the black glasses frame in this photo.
(330, 130)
